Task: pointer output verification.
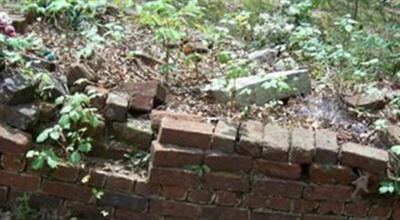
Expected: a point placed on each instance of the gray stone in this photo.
(264, 55)
(255, 89)
(391, 136)
(135, 131)
(79, 71)
(116, 108)
(17, 89)
(23, 117)
(373, 101)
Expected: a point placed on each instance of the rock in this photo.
(19, 23)
(157, 115)
(144, 96)
(100, 100)
(136, 132)
(262, 88)
(79, 71)
(13, 141)
(265, 55)
(47, 112)
(373, 101)
(194, 47)
(24, 117)
(58, 86)
(391, 136)
(116, 108)
(17, 89)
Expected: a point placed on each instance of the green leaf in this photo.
(75, 158)
(38, 163)
(64, 122)
(55, 134)
(395, 149)
(85, 147)
(51, 159)
(386, 187)
(60, 100)
(42, 137)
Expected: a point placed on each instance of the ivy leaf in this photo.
(85, 147)
(64, 122)
(38, 163)
(75, 158)
(386, 187)
(51, 159)
(42, 137)
(55, 134)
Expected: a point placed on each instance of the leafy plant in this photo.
(392, 186)
(23, 209)
(200, 170)
(139, 160)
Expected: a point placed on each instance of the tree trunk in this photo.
(355, 10)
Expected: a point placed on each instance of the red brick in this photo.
(175, 177)
(66, 173)
(13, 162)
(323, 217)
(334, 208)
(224, 136)
(305, 206)
(225, 198)
(37, 200)
(276, 143)
(225, 181)
(123, 214)
(156, 116)
(119, 183)
(123, 201)
(328, 192)
(280, 203)
(147, 190)
(97, 178)
(231, 163)
(326, 147)
(3, 196)
(254, 201)
(201, 196)
(274, 216)
(331, 174)
(13, 141)
(380, 211)
(302, 150)
(286, 188)
(224, 213)
(84, 211)
(67, 190)
(175, 209)
(251, 138)
(367, 158)
(358, 209)
(282, 170)
(396, 214)
(19, 181)
(174, 192)
(186, 133)
(174, 156)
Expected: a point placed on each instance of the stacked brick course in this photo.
(256, 172)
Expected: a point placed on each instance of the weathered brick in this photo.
(358, 209)
(302, 150)
(326, 147)
(13, 162)
(175, 209)
(97, 178)
(286, 188)
(323, 217)
(116, 108)
(174, 156)
(226, 181)
(84, 211)
(37, 200)
(254, 201)
(67, 190)
(223, 213)
(201, 196)
(224, 136)
(334, 208)
(250, 138)
(331, 174)
(136, 132)
(283, 170)
(174, 192)
(123, 214)
(123, 201)
(276, 143)
(382, 211)
(119, 183)
(305, 206)
(99, 101)
(66, 173)
(225, 198)
(274, 216)
(186, 133)
(3, 196)
(280, 203)
(328, 192)
(175, 177)
(13, 141)
(147, 190)
(19, 181)
(157, 115)
(367, 158)
(228, 162)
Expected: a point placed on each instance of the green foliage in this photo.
(139, 160)
(392, 186)
(69, 134)
(200, 170)
(23, 209)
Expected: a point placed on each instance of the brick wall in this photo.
(256, 172)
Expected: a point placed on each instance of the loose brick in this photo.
(119, 183)
(280, 203)
(13, 141)
(331, 174)
(305, 206)
(251, 138)
(147, 190)
(274, 216)
(358, 209)
(174, 156)
(66, 173)
(283, 170)
(13, 162)
(230, 163)
(174, 192)
(367, 158)
(226, 181)
(323, 217)
(326, 147)
(116, 108)
(224, 136)
(136, 132)
(123, 201)
(67, 190)
(254, 201)
(123, 214)
(225, 198)
(175, 209)
(97, 178)
(175, 177)
(157, 115)
(328, 192)
(302, 149)
(285, 188)
(221, 213)
(201, 196)
(19, 181)
(186, 133)
(276, 143)
(334, 208)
